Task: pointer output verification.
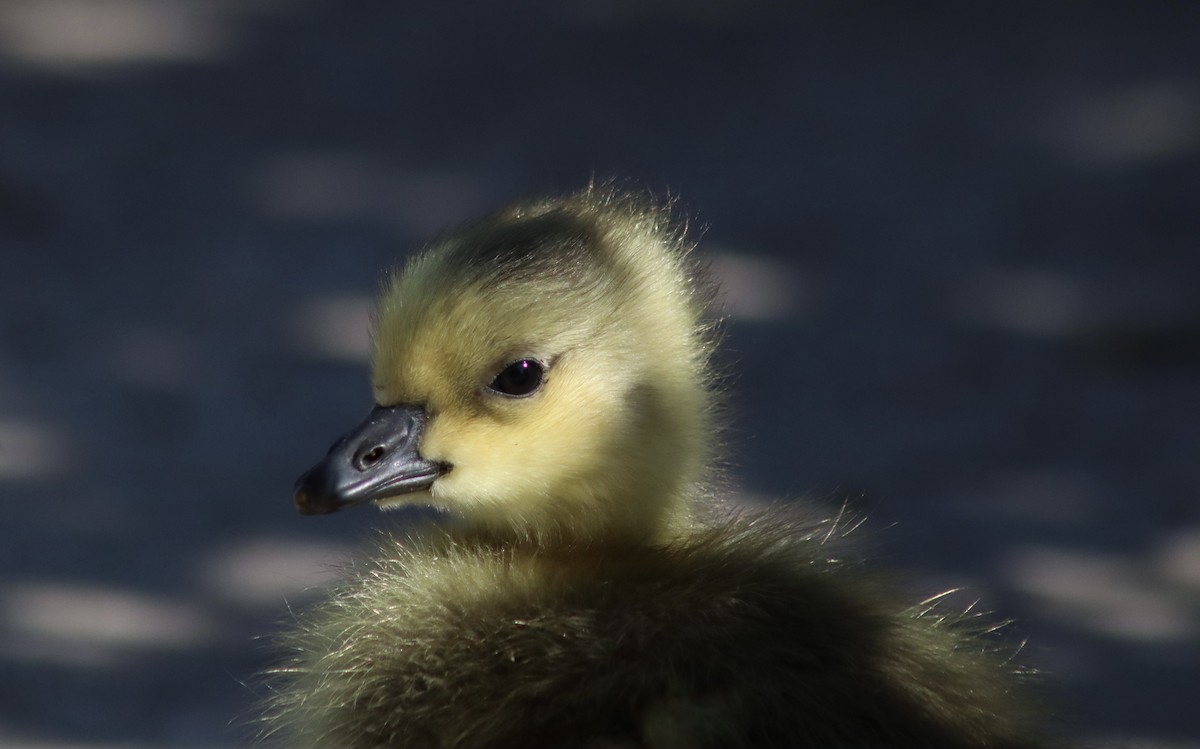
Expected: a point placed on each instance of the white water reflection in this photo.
(86, 36)
(333, 327)
(1104, 593)
(30, 449)
(94, 626)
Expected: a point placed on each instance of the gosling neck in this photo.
(613, 523)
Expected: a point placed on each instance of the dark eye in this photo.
(519, 379)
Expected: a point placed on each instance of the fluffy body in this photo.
(575, 601)
(747, 634)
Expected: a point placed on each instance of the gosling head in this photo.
(542, 375)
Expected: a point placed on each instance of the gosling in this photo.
(543, 377)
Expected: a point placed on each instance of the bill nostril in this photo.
(371, 457)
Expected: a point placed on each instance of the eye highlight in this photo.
(519, 379)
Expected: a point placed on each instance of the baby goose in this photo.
(543, 377)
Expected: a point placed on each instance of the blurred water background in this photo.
(960, 246)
